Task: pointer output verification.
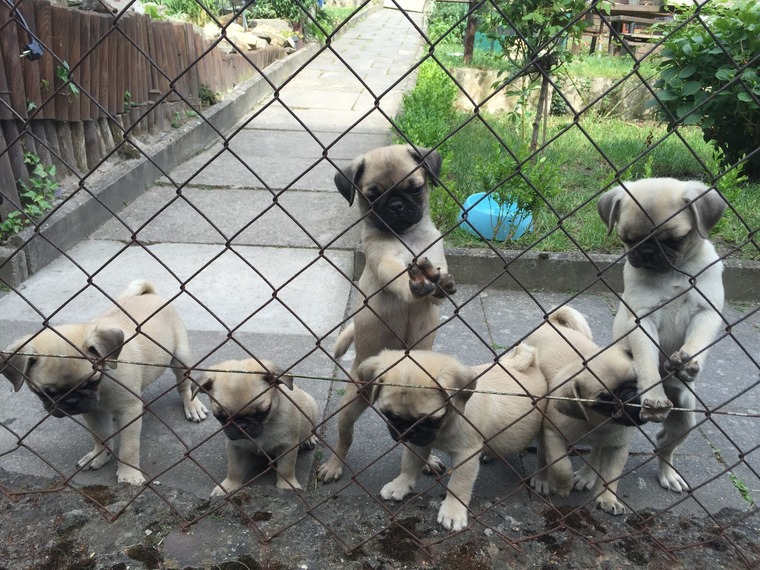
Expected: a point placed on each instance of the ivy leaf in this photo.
(690, 88)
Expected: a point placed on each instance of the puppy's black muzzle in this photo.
(396, 211)
(623, 406)
(649, 255)
(71, 405)
(420, 433)
(243, 427)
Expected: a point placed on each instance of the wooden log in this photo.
(41, 142)
(129, 26)
(115, 100)
(118, 66)
(88, 91)
(10, 51)
(66, 144)
(77, 139)
(45, 63)
(15, 151)
(60, 22)
(54, 147)
(193, 78)
(91, 147)
(8, 188)
(105, 134)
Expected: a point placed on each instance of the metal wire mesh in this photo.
(721, 415)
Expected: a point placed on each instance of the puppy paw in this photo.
(485, 457)
(419, 282)
(130, 475)
(94, 460)
(446, 286)
(671, 480)
(655, 409)
(310, 443)
(218, 492)
(397, 489)
(195, 411)
(609, 504)
(434, 466)
(225, 488)
(452, 515)
(330, 471)
(288, 484)
(584, 479)
(682, 366)
(540, 483)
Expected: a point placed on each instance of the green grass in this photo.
(575, 172)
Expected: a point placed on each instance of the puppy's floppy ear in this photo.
(368, 372)
(707, 206)
(104, 343)
(574, 409)
(275, 376)
(206, 384)
(458, 381)
(608, 207)
(16, 366)
(430, 160)
(347, 180)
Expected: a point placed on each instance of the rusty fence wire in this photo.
(70, 108)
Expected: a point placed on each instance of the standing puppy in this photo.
(590, 380)
(88, 380)
(430, 400)
(674, 289)
(259, 418)
(405, 276)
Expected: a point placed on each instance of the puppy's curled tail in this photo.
(568, 317)
(344, 341)
(523, 356)
(138, 287)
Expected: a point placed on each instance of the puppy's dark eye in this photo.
(415, 191)
(260, 415)
(93, 383)
(221, 417)
(672, 243)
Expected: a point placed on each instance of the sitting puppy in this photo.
(671, 307)
(595, 411)
(90, 381)
(405, 277)
(259, 418)
(428, 401)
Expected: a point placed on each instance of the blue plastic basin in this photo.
(494, 221)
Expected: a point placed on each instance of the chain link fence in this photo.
(502, 101)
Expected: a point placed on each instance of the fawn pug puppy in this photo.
(90, 381)
(673, 287)
(405, 277)
(422, 399)
(259, 418)
(600, 410)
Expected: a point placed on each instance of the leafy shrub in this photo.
(715, 84)
(290, 10)
(442, 17)
(428, 109)
(37, 195)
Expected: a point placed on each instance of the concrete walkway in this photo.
(296, 244)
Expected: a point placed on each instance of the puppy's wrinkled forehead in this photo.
(410, 392)
(392, 167)
(243, 394)
(646, 211)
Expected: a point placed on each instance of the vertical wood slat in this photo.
(115, 104)
(45, 64)
(103, 69)
(88, 89)
(59, 18)
(75, 75)
(29, 69)
(10, 49)
(5, 93)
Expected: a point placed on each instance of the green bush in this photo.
(710, 78)
(442, 18)
(428, 109)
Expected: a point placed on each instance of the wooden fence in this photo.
(128, 75)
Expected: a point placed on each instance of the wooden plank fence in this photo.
(128, 76)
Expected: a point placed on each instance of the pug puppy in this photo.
(259, 418)
(91, 380)
(433, 401)
(599, 407)
(673, 288)
(405, 277)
